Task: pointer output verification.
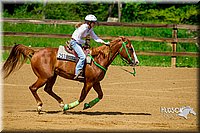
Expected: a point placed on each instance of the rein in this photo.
(133, 73)
(103, 68)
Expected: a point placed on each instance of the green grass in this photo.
(163, 61)
(188, 62)
(33, 41)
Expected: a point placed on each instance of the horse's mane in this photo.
(104, 49)
(79, 24)
(100, 50)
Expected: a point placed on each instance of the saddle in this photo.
(66, 53)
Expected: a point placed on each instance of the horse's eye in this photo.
(131, 49)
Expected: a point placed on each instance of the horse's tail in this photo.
(18, 56)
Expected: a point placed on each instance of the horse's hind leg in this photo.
(48, 89)
(39, 83)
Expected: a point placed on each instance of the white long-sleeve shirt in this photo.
(82, 32)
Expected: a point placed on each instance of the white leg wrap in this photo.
(39, 109)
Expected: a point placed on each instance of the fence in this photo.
(174, 40)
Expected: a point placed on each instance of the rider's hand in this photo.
(86, 46)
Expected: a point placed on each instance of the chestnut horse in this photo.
(46, 67)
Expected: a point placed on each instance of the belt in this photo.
(76, 42)
(73, 39)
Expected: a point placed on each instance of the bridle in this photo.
(129, 56)
(126, 49)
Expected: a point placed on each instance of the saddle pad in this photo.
(64, 55)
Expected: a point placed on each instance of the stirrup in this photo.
(78, 77)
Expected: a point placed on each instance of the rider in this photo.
(76, 41)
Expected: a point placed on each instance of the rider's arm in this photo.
(95, 37)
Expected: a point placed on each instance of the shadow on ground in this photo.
(88, 113)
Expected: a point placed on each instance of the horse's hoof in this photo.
(86, 106)
(39, 109)
(66, 107)
(62, 105)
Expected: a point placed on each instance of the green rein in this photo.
(103, 68)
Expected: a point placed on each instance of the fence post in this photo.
(119, 10)
(174, 36)
(43, 10)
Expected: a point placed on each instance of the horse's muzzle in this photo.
(137, 62)
(134, 63)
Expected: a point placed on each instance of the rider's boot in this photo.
(79, 75)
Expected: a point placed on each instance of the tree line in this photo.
(130, 12)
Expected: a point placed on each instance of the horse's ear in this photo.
(123, 38)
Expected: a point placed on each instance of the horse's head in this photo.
(127, 52)
(184, 111)
(192, 111)
(122, 46)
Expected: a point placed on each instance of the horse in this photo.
(184, 111)
(47, 67)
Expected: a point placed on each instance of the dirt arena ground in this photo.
(129, 103)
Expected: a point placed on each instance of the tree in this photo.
(131, 12)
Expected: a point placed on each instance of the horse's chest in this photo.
(101, 76)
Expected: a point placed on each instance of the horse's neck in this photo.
(114, 52)
(110, 53)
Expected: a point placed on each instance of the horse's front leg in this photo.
(84, 92)
(97, 88)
